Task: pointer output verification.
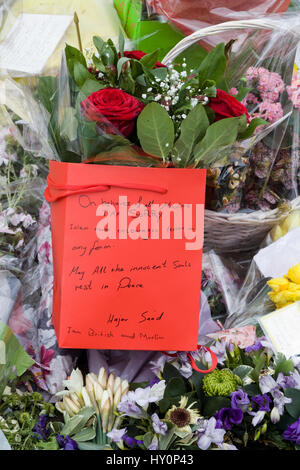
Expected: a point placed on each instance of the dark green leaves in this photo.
(214, 65)
(193, 128)
(220, 134)
(156, 130)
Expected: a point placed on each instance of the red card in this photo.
(127, 250)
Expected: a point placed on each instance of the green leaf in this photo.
(120, 64)
(282, 364)
(220, 134)
(81, 74)
(192, 129)
(251, 128)
(149, 60)
(98, 64)
(51, 444)
(214, 65)
(15, 357)
(175, 388)
(242, 371)
(99, 44)
(243, 92)
(260, 363)
(160, 72)
(121, 43)
(214, 404)
(156, 130)
(69, 125)
(77, 422)
(293, 408)
(164, 405)
(91, 86)
(165, 441)
(170, 372)
(148, 437)
(47, 91)
(90, 446)
(86, 434)
(73, 56)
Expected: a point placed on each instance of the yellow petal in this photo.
(294, 274)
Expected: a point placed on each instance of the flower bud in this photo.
(86, 398)
(117, 398)
(75, 399)
(98, 391)
(264, 428)
(110, 382)
(60, 406)
(275, 416)
(124, 387)
(70, 406)
(105, 409)
(102, 377)
(91, 393)
(117, 384)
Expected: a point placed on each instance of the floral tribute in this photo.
(128, 108)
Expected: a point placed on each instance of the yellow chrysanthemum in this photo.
(294, 274)
(279, 284)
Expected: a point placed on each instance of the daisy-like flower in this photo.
(182, 417)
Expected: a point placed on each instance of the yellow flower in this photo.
(279, 284)
(294, 274)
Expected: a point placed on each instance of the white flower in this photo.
(73, 384)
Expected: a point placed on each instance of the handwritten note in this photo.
(31, 42)
(282, 327)
(134, 290)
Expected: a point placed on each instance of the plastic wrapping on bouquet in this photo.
(127, 251)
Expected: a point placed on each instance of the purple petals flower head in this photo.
(228, 417)
(261, 402)
(131, 441)
(254, 348)
(40, 429)
(292, 433)
(117, 435)
(209, 434)
(66, 443)
(239, 400)
(158, 426)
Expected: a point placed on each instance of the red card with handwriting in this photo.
(127, 251)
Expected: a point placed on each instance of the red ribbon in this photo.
(193, 363)
(54, 191)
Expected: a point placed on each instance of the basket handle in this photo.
(260, 23)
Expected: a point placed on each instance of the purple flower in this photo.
(154, 444)
(239, 400)
(228, 417)
(262, 402)
(131, 441)
(116, 435)
(280, 400)
(156, 380)
(267, 384)
(66, 443)
(254, 348)
(40, 429)
(292, 433)
(209, 434)
(158, 426)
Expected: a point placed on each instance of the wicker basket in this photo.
(239, 232)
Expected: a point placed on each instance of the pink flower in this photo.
(271, 112)
(233, 91)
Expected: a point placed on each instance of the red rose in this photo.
(138, 55)
(226, 106)
(114, 110)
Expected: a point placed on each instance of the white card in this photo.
(282, 328)
(276, 259)
(31, 42)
